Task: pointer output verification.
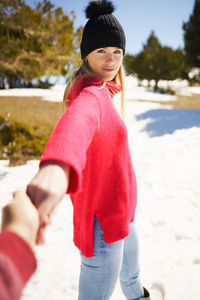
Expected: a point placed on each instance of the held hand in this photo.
(21, 217)
(46, 190)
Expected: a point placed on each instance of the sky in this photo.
(139, 18)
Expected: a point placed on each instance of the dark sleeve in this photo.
(73, 134)
(17, 264)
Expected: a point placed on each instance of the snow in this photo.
(165, 145)
(189, 91)
(133, 91)
(55, 93)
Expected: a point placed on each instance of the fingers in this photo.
(21, 217)
(44, 222)
(20, 196)
(37, 194)
(45, 194)
(10, 211)
(6, 217)
(21, 213)
(40, 240)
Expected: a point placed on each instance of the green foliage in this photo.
(157, 62)
(19, 142)
(35, 42)
(128, 63)
(192, 36)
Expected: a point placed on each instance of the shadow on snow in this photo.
(2, 175)
(166, 121)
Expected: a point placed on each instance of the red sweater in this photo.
(92, 139)
(17, 264)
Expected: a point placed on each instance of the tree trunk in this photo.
(2, 83)
(156, 85)
(30, 84)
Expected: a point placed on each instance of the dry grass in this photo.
(40, 115)
(27, 122)
(187, 102)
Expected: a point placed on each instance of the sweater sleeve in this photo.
(73, 134)
(17, 264)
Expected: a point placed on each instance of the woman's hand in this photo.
(21, 217)
(46, 190)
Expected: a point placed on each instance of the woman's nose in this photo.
(110, 57)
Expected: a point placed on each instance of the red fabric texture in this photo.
(17, 264)
(92, 139)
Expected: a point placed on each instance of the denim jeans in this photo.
(99, 274)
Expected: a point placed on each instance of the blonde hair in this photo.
(85, 70)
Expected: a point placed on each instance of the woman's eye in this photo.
(100, 51)
(117, 52)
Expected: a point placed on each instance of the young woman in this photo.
(88, 156)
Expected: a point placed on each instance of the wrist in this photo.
(51, 172)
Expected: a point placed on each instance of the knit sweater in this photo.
(92, 139)
(17, 264)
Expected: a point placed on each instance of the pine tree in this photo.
(192, 36)
(156, 62)
(35, 42)
(128, 64)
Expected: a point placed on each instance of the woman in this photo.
(88, 156)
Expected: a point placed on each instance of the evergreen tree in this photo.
(156, 62)
(35, 42)
(192, 36)
(128, 63)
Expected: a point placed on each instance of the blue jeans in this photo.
(99, 274)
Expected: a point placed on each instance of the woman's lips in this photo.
(108, 69)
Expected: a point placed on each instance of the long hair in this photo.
(85, 70)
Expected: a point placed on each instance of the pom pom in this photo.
(97, 8)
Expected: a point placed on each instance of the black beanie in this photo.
(102, 29)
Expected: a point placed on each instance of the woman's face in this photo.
(105, 62)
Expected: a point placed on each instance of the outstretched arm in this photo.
(46, 190)
(19, 226)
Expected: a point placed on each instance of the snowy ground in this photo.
(165, 147)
